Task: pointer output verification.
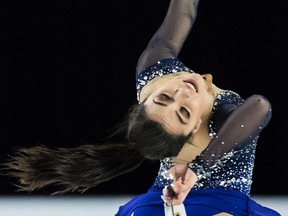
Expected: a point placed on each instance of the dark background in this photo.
(67, 74)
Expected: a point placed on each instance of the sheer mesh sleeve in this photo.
(241, 127)
(169, 38)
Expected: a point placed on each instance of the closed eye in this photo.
(185, 112)
(165, 97)
(162, 100)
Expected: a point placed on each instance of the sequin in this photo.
(232, 170)
(161, 68)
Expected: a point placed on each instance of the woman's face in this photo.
(178, 103)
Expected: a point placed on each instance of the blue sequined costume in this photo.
(224, 169)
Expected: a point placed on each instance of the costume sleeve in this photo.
(242, 126)
(169, 38)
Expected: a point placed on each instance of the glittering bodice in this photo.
(235, 125)
(232, 170)
(228, 160)
(161, 68)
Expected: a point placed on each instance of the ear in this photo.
(197, 126)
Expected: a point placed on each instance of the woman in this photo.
(221, 130)
(204, 136)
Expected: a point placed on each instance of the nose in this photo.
(182, 92)
(208, 77)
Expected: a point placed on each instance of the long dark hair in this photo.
(88, 165)
(150, 138)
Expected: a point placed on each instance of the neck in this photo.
(194, 146)
(201, 138)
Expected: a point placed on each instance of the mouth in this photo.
(191, 84)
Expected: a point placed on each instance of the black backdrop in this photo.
(67, 74)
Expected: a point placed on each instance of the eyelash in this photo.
(165, 97)
(185, 112)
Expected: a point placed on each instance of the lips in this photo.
(191, 84)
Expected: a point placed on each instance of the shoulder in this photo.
(226, 101)
(227, 97)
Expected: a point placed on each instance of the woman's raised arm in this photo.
(171, 35)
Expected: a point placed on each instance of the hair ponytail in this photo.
(76, 169)
(86, 166)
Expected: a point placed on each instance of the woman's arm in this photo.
(171, 35)
(242, 126)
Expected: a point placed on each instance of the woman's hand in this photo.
(184, 180)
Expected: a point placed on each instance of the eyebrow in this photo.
(159, 103)
(177, 114)
(180, 119)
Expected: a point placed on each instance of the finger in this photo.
(165, 200)
(171, 192)
(177, 185)
(180, 180)
(169, 175)
(165, 192)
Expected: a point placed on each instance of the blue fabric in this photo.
(160, 68)
(224, 169)
(204, 202)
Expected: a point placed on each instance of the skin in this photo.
(181, 185)
(177, 104)
(182, 103)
